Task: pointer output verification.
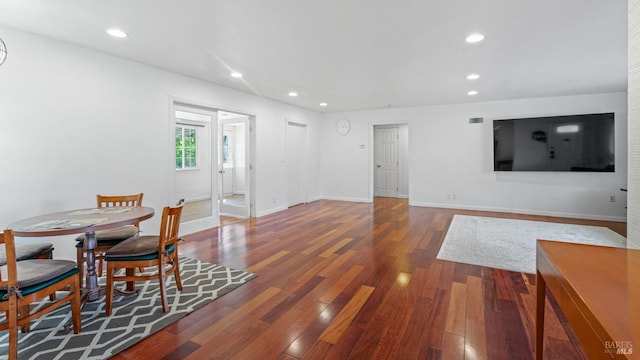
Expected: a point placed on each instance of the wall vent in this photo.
(477, 120)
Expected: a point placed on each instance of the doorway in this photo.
(211, 154)
(296, 154)
(391, 160)
(194, 130)
(234, 170)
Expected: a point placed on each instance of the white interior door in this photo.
(296, 163)
(229, 158)
(386, 161)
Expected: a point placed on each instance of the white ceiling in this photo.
(356, 54)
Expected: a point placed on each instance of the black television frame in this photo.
(568, 148)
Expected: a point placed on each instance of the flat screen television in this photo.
(555, 143)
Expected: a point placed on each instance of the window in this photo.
(186, 146)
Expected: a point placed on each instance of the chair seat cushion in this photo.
(26, 250)
(37, 287)
(111, 236)
(33, 272)
(137, 248)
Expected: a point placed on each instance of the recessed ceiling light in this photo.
(323, 104)
(473, 77)
(474, 38)
(472, 93)
(236, 75)
(293, 94)
(117, 33)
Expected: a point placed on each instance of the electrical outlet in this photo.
(612, 198)
(454, 196)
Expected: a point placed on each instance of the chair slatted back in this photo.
(119, 200)
(169, 227)
(10, 285)
(11, 278)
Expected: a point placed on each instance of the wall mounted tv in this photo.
(555, 143)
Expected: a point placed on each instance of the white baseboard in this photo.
(194, 226)
(271, 211)
(340, 198)
(198, 198)
(521, 211)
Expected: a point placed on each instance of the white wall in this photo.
(77, 122)
(449, 155)
(403, 159)
(633, 228)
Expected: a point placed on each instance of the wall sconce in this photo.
(3, 52)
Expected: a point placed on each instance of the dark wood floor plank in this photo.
(517, 338)
(343, 280)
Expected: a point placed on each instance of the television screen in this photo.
(555, 143)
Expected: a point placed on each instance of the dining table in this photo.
(86, 221)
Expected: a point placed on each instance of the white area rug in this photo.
(511, 244)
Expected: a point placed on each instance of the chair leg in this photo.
(76, 315)
(12, 321)
(109, 294)
(131, 285)
(23, 311)
(100, 264)
(176, 273)
(52, 297)
(163, 287)
(80, 260)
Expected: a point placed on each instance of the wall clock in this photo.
(343, 126)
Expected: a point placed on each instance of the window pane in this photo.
(189, 147)
(179, 146)
(186, 146)
(225, 149)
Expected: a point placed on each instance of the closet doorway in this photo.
(391, 161)
(296, 156)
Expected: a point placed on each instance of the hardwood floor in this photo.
(340, 280)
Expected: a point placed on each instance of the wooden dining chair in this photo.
(146, 251)
(28, 251)
(106, 239)
(27, 281)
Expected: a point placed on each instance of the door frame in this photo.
(209, 222)
(249, 156)
(376, 161)
(371, 160)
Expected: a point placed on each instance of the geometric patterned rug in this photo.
(133, 318)
(510, 244)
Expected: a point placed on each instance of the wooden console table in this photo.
(598, 290)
